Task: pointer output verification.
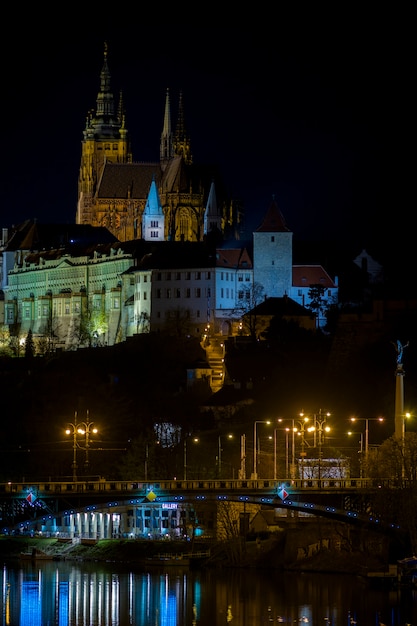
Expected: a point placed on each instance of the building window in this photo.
(67, 308)
(158, 294)
(197, 314)
(145, 295)
(240, 295)
(272, 238)
(197, 292)
(178, 293)
(188, 293)
(115, 303)
(187, 275)
(168, 275)
(208, 292)
(240, 278)
(145, 279)
(198, 275)
(159, 276)
(169, 294)
(178, 276)
(76, 307)
(222, 292)
(27, 313)
(208, 275)
(154, 223)
(9, 315)
(247, 278)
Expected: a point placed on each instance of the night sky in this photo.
(314, 108)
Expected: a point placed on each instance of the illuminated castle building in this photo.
(155, 247)
(113, 189)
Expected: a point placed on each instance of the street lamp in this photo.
(319, 426)
(219, 457)
(84, 429)
(350, 433)
(255, 472)
(302, 424)
(195, 439)
(367, 420)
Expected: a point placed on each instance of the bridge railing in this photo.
(144, 487)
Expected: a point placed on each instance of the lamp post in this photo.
(84, 429)
(219, 457)
(287, 431)
(350, 433)
(319, 425)
(255, 469)
(302, 424)
(367, 420)
(185, 454)
(242, 471)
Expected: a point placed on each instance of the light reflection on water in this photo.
(103, 594)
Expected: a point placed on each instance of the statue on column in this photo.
(399, 347)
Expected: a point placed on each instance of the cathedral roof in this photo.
(128, 180)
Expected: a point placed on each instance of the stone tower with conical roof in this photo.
(272, 254)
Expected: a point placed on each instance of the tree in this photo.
(248, 298)
(29, 346)
(90, 327)
(49, 336)
(177, 322)
(396, 461)
(318, 304)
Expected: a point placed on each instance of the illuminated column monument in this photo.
(399, 391)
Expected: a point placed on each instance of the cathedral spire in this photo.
(182, 145)
(166, 150)
(212, 218)
(105, 101)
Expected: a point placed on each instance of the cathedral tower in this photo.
(105, 139)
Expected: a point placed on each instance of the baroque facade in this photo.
(87, 288)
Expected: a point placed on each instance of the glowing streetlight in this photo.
(219, 457)
(196, 440)
(83, 429)
(367, 420)
(255, 472)
(350, 433)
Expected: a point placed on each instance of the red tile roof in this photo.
(306, 275)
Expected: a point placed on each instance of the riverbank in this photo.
(265, 554)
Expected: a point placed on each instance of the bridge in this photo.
(102, 508)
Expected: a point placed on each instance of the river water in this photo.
(65, 593)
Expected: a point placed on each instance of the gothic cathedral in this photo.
(170, 200)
